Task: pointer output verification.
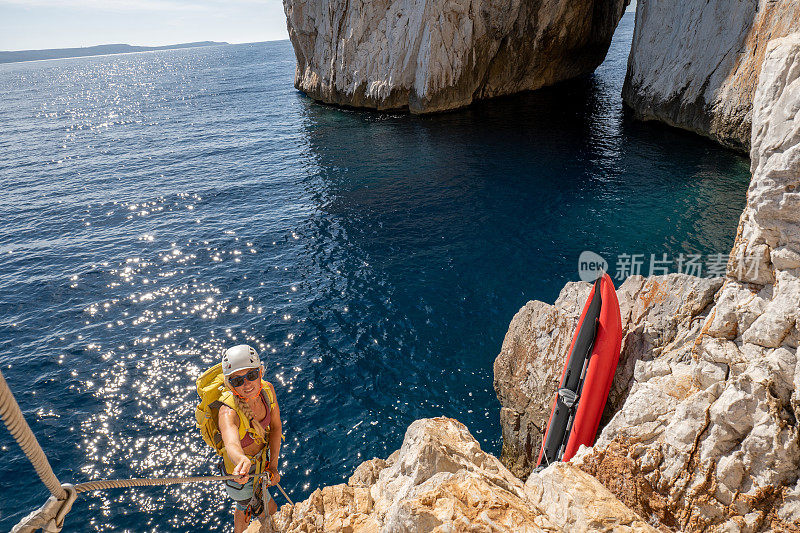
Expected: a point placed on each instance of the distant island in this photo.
(100, 50)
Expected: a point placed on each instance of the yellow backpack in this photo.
(213, 394)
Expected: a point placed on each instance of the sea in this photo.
(158, 207)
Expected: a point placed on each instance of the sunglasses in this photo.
(238, 381)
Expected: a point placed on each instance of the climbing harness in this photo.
(50, 516)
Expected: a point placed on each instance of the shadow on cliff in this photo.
(546, 147)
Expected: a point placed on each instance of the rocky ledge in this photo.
(441, 481)
(695, 65)
(434, 55)
(656, 312)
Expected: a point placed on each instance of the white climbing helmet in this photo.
(238, 358)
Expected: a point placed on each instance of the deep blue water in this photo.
(157, 207)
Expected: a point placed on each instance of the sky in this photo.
(38, 24)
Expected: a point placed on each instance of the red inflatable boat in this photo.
(587, 376)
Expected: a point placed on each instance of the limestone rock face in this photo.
(704, 432)
(708, 437)
(695, 65)
(433, 55)
(655, 312)
(575, 501)
(441, 481)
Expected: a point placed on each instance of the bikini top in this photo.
(247, 440)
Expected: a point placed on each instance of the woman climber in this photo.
(250, 425)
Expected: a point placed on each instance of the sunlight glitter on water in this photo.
(150, 392)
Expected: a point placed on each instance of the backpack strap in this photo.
(266, 391)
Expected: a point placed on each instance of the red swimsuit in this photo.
(247, 440)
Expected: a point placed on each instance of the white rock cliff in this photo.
(704, 434)
(695, 65)
(723, 448)
(434, 55)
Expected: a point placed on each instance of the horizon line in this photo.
(217, 43)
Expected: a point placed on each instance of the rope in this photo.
(50, 516)
(149, 482)
(21, 431)
(284, 493)
(54, 509)
(265, 502)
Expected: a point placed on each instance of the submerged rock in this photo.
(436, 55)
(695, 65)
(441, 481)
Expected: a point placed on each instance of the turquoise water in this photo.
(157, 207)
